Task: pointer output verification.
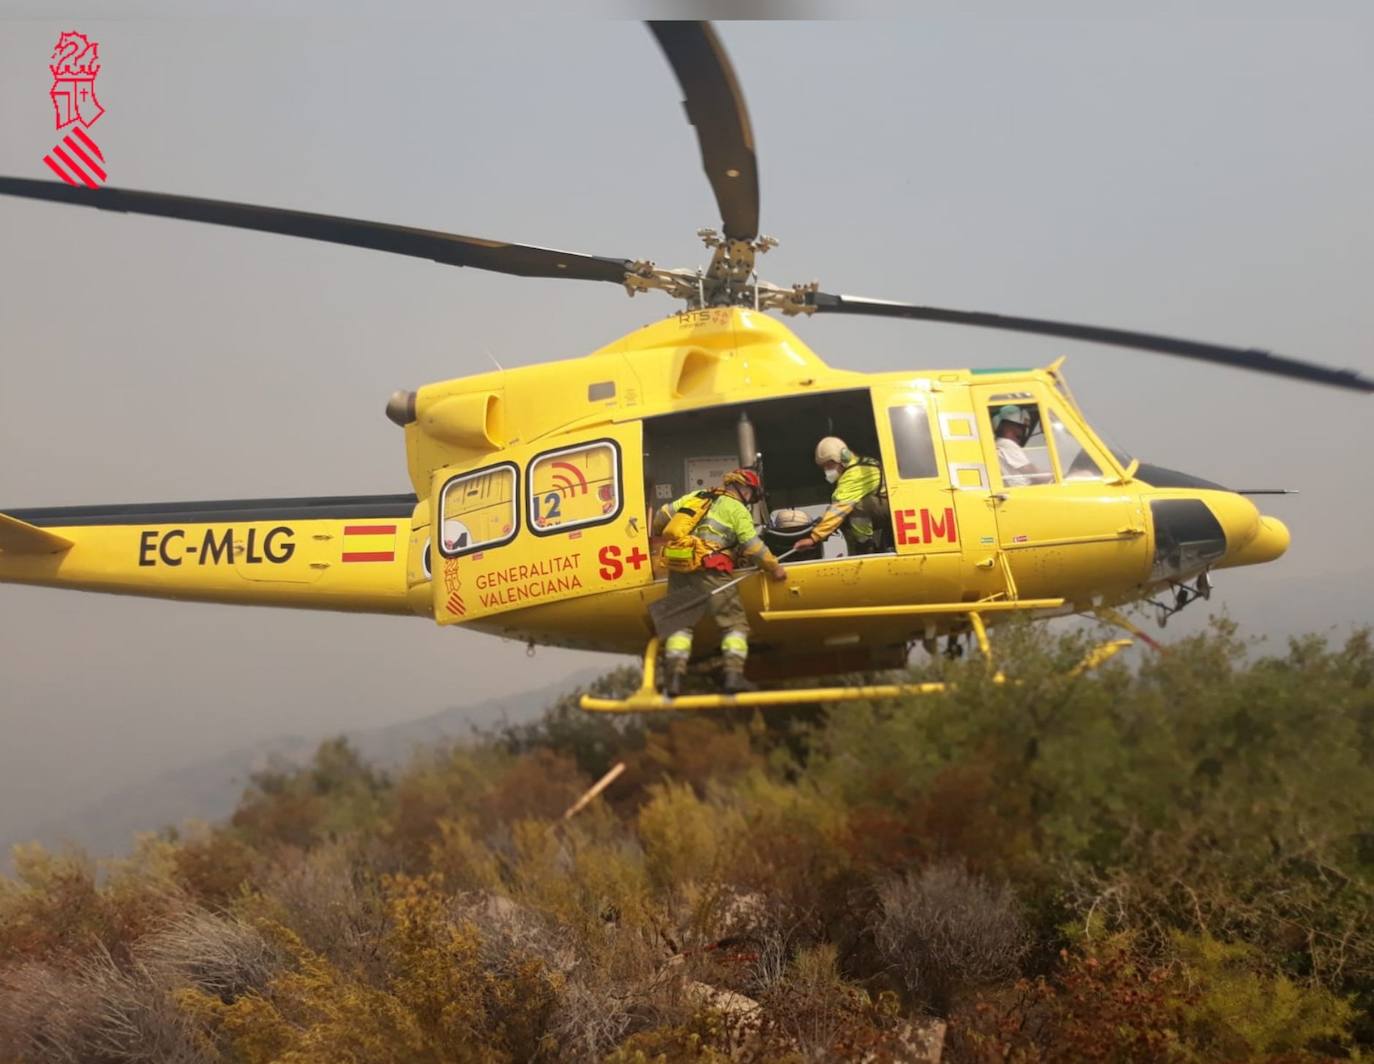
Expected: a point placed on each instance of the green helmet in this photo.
(1012, 413)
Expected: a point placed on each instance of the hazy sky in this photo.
(1205, 177)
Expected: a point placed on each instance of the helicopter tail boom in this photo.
(316, 553)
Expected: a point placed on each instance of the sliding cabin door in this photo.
(540, 523)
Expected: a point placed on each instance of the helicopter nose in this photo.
(1238, 516)
(1212, 529)
(1270, 541)
(1251, 538)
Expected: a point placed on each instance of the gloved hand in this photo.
(779, 573)
(805, 543)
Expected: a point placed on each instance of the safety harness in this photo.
(683, 550)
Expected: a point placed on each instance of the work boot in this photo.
(735, 683)
(674, 673)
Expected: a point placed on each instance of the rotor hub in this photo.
(729, 280)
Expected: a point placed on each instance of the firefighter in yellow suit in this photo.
(725, 535)
(858, 505)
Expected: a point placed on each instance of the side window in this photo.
(915, 444)
(479, 510)
(574, 487)
(1023, 456)
(1074, 458)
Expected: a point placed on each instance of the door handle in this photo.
(999, 496)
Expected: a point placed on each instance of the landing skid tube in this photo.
(648, 699)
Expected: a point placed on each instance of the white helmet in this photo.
(1016, 414)
(832, 449)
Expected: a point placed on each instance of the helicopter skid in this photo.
(647, 699)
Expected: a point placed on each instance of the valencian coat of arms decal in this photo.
(75, 64)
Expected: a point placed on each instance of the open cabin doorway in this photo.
(692, 450)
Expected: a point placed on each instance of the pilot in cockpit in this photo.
(1011, 425)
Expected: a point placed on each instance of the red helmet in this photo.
(747, 480)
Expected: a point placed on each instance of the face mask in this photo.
(832, 474)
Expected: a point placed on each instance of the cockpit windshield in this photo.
(1061, 385)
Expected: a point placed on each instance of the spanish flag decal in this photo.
(369, 543)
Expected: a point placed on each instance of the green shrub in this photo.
(1171, 860)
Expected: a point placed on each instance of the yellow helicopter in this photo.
(534, 488)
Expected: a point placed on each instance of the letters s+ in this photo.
(611, 565)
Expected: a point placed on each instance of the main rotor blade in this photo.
(1262, 361)
(454, 249)
(715, 106)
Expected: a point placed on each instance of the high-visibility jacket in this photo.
(859, 498)
(727, 527)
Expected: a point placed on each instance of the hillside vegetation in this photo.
(1173, 861)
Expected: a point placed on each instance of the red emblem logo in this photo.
(453, 584)
(75, 63)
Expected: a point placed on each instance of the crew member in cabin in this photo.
(1012, 426)
(706, 534)
(858, 505)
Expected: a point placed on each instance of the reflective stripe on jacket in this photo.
(858, 498)
(727, 527)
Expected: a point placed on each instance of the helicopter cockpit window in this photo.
(1074, 458)
(1120, 454)
(574, 487)
(1022, 453)
(914, 442)
(1062, 387)
(479, 510)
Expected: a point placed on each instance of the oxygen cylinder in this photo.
(748, 445)
(749, 455)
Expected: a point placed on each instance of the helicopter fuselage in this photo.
(534, 490)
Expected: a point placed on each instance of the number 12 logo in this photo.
(551, 508)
